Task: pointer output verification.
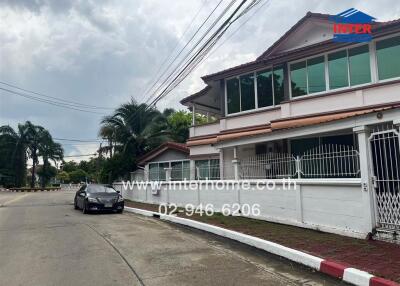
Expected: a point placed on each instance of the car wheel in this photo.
(75, 205)
(84, 209)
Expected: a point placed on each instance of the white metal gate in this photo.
(385, 157)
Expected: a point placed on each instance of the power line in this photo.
(238, 28)
(66, 106)
(183, 69)
(177, 44)
(182, 49)
(204, 49)
(222, 14)
(79, 104)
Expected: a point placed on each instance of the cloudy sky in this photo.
(104, 52)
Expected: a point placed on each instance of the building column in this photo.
(235, 163)
(193, 115)
(168, 174)
(367, 189)
(146, 173)
(221, 164)
(192, 167)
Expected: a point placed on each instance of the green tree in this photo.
(137, 129)
(45, 174)
(69, 166)
(107, 132)
(35, 135)
(63, 177)
(13, 154)
(78, 176)
(178, 125)
(48, 150)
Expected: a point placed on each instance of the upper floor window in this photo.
(270, 87)
(345, 68)
(359, 66)
(338, 70)
(388, 58)
(308, 76)
(241, 91)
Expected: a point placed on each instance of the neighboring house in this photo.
(169, 160)
(322, 112)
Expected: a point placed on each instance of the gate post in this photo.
(363, 134)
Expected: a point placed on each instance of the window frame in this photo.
(208, 168)
(256, 108)
(376, 72)
(373, 69)
(169, 166)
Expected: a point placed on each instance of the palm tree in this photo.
(35, 135)
(107, 131)
(13, 149)
(48, 150)
(136, 128)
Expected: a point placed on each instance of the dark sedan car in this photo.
(95, 197)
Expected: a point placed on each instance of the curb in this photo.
(350, 275)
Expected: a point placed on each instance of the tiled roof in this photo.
(161, 149)
(260, 60)
(291, 122)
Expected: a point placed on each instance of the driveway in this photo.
(44, 241)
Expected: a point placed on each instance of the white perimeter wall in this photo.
(329, 205)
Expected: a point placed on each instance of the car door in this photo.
(80, 196)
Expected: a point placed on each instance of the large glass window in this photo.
(207, 169)
(180, 170)
(278, 84)
(298, 77)
(360, 71)
(388, 58)
(157, 171)
(270, 87)
(247, 94)
(233, 95)
(264, 88)
(338, 70)
(316, 74)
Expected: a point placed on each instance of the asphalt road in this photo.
(44, 241)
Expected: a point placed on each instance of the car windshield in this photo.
(92, 189)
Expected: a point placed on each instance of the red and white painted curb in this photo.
(331, 268)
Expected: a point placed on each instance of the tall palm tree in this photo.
(108, 132)
(35, 136)
(137, 128)
(13, 148)
(48, 150)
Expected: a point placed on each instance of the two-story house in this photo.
(323, 112)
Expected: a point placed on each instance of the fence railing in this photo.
(325, 161)
(268, 166)
(330, 161)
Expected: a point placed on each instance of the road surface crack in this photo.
(118, 252)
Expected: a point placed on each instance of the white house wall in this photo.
(203, 150)
(251, 119)
(328, 205)
(335, 102)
